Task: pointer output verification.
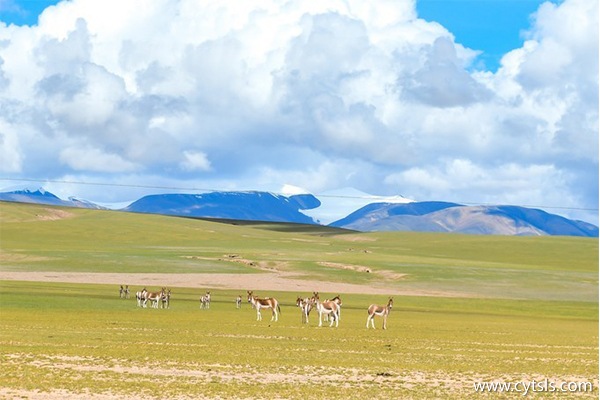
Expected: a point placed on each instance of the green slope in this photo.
(43, 238)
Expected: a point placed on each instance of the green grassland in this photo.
(529, 311)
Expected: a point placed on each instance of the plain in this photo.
(467, 309)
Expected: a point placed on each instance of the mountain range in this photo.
(400, 215)
(432, 216)
(41, 196)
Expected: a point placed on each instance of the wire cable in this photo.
(198, 189)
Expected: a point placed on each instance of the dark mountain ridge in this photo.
(259, 206)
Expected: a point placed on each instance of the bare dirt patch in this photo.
(51, 214)
(361, 268)
(6, 257)
(271, 281)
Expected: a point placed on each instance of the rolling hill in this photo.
(457, 218)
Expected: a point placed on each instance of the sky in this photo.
(470, 101)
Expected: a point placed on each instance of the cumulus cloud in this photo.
(91, 159)
(320, 95)
(195, 161)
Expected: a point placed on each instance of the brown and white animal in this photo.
(268, 302)
(338, 300)
(238, 302)
(126, 291)
(382, 311)
(306, 305)
(329, 308)
(166, 299)
(140, 296)
(205, 300)
(154, 297)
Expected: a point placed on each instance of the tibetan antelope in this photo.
(140, 296)
(238, 302)
(121, 292)
(328, 307)
(381, 311)
(126, 291)
(268, 302)
(154, 297)
(205, 300)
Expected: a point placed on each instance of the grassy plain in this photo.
(529, 311)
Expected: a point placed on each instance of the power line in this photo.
(197, 189)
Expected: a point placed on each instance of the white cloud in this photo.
(94, 160)
(463, 181)
(195, 161)
(10, 152)
(315, 94)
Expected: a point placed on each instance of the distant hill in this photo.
(253, 206)
(428, 216)
(41, 196)
(452, 217)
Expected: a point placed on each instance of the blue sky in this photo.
(481, 102)
(492, 26)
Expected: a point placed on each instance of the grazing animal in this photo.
(205, 301)
(328, 307)
(268, 302)
(238, 302)
(381, 311)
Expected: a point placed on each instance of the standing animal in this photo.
(205, 300)
(328, 307)
(126, 291)
(306, 305)
(382, 311)
(121, 292)
(154, 297)
(140, 296)
(166, 299)
(338, 300)
(238, 302)
(268, 302)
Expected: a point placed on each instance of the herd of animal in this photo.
(328, 310)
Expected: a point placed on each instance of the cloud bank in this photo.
(321, 95)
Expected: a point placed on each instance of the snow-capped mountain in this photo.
(336, 204)
(41, 196)
(452, 217)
